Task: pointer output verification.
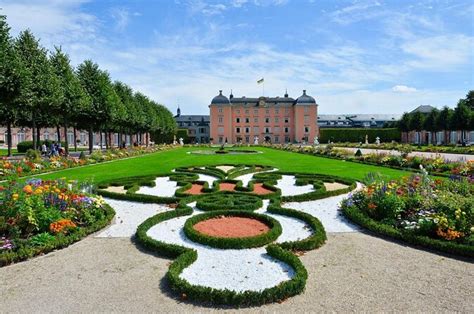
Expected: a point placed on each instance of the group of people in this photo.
(54, 150)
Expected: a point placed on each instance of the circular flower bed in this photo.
(231, 227)
(248, 233)
(39, 216)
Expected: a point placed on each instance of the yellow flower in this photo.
(15, 196)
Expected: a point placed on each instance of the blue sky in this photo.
(352, 56)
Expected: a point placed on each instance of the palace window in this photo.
(220, 110)
(267, 111)
(287, 130)
(256, 130)
(306, 109)
(267, 120)
(277, 139)
(277, 111)
(276, 129)
(220, 130)
(255, 111)
(238, 111)
(247, 120)
(277, 120)
(246, 111)
(247, 139)
(237, 130)
(255, 120)
(287, 110)
(267, 130)
(237, 120)
(287, 139)
(221, 119)
(287, 120)
(247, 130)
(306, 119)
(306, 129)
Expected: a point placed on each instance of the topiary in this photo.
(358, 153)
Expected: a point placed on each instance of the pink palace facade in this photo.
(277, 120)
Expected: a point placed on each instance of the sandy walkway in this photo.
(351, 272)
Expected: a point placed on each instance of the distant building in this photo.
(356, 120)
(197, 126)
(270, 119)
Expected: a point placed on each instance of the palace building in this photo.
(276, 120)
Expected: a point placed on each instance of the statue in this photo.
(316, 140)
(174, 140)
(366, 139)
(255, 140)
(181, 141)
(377, 140)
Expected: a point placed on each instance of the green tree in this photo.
(462, 118)
(431, 125)
(443, 122)
(12, 78)
(40, 94)
(416, 123)
(74, 97)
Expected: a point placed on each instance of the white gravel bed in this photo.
(129, 215)
(209, 179)
(164, 187)
(287, 186)
(327, 211)
(225, 168)
(245, 178)
(223, 269)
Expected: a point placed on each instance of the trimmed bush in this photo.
(229, 201)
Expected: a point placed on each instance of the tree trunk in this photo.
(58, 133)
(66, 140)
(9, 138)
(119, 140)
(75, 139)
(33, 129)
(38, 136)
(147, 138)
(100, 139)
(91, 138)
(106, 140)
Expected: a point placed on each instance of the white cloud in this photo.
(122, 17)
(441, 53)
(403, 89)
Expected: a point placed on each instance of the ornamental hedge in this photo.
(229, 201)
(357, 135)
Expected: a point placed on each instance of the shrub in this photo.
(357, 135)
(33, 155)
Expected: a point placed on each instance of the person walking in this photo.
(44, 149)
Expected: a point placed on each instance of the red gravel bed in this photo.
(227, 187)
(231, 227)
(259, 189)
(196, 189)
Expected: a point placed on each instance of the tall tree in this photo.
(443, 122)
(462, 118)
(416, 123)
(12, 78)
(41, 95)
(431, 125)
(97, 85)
(74, 97)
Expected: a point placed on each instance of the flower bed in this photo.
(436, 166)
(437, 214)
(452, 149)
(25, 167)
(39, 216)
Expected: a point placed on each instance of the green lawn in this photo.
(4, 151)
(163, 162)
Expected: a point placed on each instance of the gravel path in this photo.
(164, 187)
(351, 272)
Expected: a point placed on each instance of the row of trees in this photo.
(40, 89)
(460, 118)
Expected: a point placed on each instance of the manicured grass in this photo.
(4, 151)
(163, 162)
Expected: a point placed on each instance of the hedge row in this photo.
(185, 257)
(61, 240)
(365, 221)
(229, 201)
(317, 239)
(357, 135)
